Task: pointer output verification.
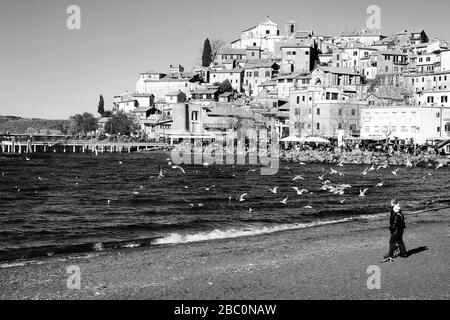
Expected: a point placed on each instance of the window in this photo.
(430, 99)
(297, 112)
(337, 58)
(444, 99)
(294, 53)
(253, 54)
(334, 96)
(438, 129)
(327, 96)
(268, 75)
(288, 53)
(353, 127)
(438, 114)
(249, 74)
(298, 99)
(376, 129)
(318, 111)
(303, 98)
(256, 74)
(339, 126)
(340, 112)
(403, 129)
(306, 53)
(318, 126)
(267, 31)
(194, 116)
(386, 69)
(355, 53)
(353, 112)
(367, 129)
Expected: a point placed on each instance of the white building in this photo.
(265, 35)
(405, 122)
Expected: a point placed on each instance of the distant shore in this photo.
(326, 262)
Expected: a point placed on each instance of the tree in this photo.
(207, 53)
(216, 46)
(391, 90)
(82, 124)
(101, 106)
(121, 123)
(224, 86)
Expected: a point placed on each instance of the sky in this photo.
(49, 71)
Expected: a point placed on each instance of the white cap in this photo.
(397, 208)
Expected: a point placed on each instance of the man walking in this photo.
(397, 228)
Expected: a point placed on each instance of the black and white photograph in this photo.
(244, 151)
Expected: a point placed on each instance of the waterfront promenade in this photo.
(18, 144)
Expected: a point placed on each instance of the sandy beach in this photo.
(324, 262)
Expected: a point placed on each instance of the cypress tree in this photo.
(206, 57)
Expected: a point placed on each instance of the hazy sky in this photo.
(49, 71)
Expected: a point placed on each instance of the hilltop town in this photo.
(357, 84)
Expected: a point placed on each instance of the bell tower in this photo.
(290, 28)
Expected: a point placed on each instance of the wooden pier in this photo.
(18, 144)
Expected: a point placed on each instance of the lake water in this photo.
(58, 203)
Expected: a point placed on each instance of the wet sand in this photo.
(324, 262)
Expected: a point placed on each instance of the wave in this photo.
(174, 238)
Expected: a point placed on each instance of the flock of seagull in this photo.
(338, 189)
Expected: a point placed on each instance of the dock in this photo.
(18, 144)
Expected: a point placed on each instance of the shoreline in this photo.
(365, 158)
(322, 262)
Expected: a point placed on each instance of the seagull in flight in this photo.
(251, 170)
(178, 167)
(307, 207)
(274, 190)
(341, 164)
(160, 174)
(299, 192)
(250, 210)
(342, 201)
(207, 188)
(284, 201)
(333, 171)
(362, 193)
(120, 162)
(384, 166)
(241, 197)
(298, 177)
(440, 165)
(366, 170)
(26, 158)
(380, 184)
(109, 202)
(322, 176)
(395, 172)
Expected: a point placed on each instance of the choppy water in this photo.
(67, 210)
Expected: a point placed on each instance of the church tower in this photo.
(290, 28)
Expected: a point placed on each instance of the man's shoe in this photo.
(404, 255)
